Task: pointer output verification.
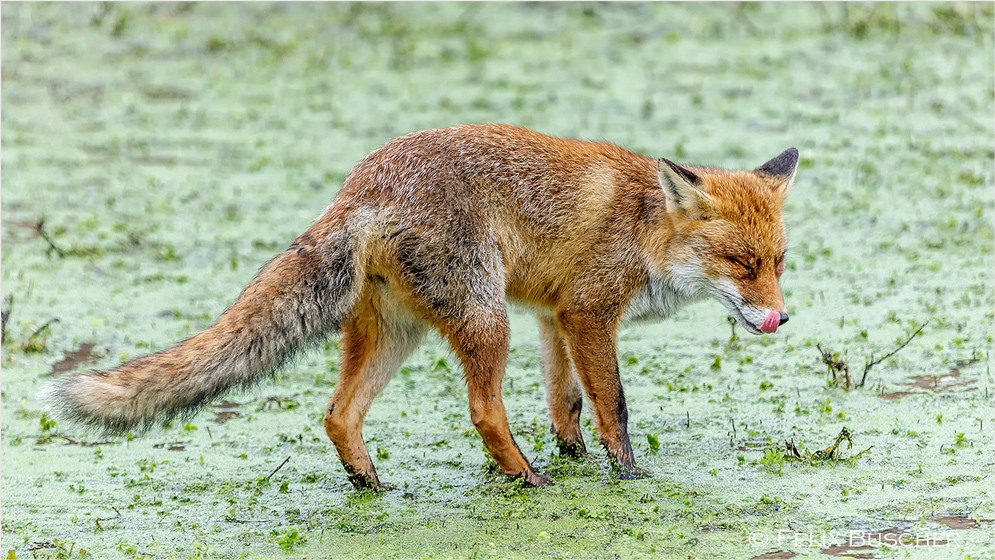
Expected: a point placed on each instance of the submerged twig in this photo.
(32, 344)
(774, 456)
(791, 450)
(835, 364)
(8, 307)
(40, 227)
(71, 441)
(732, 338)
(872, 362)
(278, 468)
(832, 452)
(97, 521)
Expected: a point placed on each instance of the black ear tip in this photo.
(684, 172)
(783, 165)
(789, 155)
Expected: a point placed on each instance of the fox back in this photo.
(658, 235)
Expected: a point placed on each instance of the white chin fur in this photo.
(746, 325)
(749, 317)
(687, 283)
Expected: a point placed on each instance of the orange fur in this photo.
(441, 228)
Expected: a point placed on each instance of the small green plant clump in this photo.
(775, 456)
(289, 538)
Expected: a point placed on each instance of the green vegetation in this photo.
(156, 155)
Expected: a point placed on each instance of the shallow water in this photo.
(171, 149)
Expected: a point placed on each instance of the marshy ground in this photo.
(156, 155)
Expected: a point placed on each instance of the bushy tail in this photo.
(298, 299)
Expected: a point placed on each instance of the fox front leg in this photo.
(592, 347)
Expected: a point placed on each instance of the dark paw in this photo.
(532, 479)
(626, 469)
(384, 487)
(630, 473)
(572, 450)
(366, 482)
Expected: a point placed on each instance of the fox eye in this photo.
(779, 264)
(749, 269)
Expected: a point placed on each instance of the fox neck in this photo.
(670, 284)
(660, 298)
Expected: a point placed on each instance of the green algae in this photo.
(155, 156)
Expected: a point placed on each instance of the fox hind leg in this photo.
(375, 342)
(481, 343)
(564, 393)
(456, 281)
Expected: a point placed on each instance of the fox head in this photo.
(728, 237)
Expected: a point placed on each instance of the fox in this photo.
(443, 229)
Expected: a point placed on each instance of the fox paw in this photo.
(626, 470)
(366, 482)
(572, 450)
(532, 479)
(630, 473)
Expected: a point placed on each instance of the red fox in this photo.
(442, 228)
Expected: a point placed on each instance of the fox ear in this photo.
(683, 190)
(781, 170)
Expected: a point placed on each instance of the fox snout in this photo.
(755, 318)
(773, 320)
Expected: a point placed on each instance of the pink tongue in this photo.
(771, 322)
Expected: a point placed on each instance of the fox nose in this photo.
(784, 319)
